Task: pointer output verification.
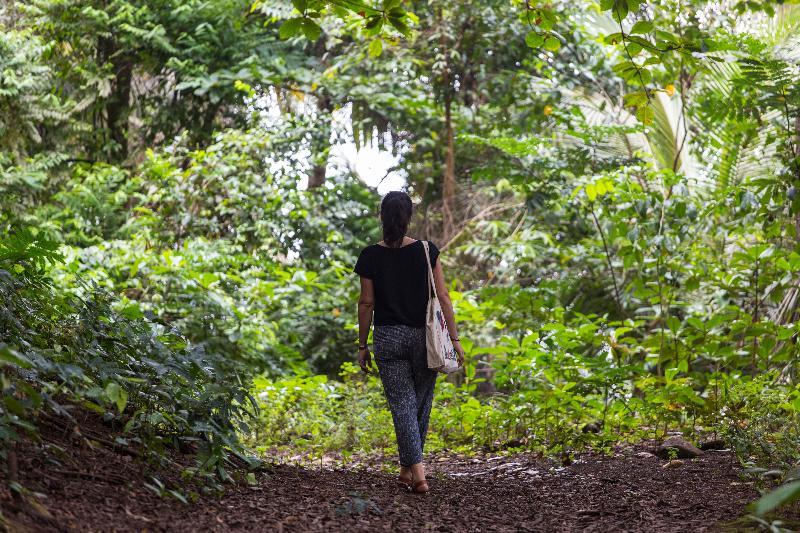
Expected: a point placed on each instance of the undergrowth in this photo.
(59, 349)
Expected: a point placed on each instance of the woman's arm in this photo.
(366, 304)
(447, 308)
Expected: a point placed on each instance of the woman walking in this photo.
(394, 288)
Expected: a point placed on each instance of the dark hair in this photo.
(395, 216)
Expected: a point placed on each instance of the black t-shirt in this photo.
(399, 276)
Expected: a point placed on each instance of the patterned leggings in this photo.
(401, 356)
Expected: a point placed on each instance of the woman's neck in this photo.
(404, 242)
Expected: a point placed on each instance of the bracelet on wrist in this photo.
(454, 339)
(362, 346)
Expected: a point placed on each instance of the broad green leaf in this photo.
(666, 36)
(376, 48)
(780, 496)
(206, 279)
(311, 29)
(291, 27)
(620, 10)
(645, 114)
(13, 405)
(374, 24)
(399, 24)
(9, 355)
(636, 99)
(547, 19)
(552, 43)
(695, 323)
(117, 394)
(673, 324)
(534, 39)
(642, 26)
(132, 311)
(591, 191)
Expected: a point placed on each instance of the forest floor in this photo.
(83, 484)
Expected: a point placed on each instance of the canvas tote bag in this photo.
(441, 354)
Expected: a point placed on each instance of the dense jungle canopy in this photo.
(185, 186)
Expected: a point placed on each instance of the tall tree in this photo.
(144, 72)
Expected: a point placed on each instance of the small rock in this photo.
(486, 388)
(644, 454)
(591, 427)
(675, 463)
(683, 448)
(772, 474)
(716, 444)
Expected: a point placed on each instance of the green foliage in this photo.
(253, 247)
(762, 421)
(147, 71)
(374, 17)
(27, 102)
(176, 237)
(57, 348)
(780, 496)
(315, 414)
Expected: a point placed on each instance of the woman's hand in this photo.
(364, 360)
(459, 351)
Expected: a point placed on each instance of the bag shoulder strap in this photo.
(430, 270)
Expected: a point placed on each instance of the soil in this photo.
(80, 481)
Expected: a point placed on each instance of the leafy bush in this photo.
(260, 268)
(59, 349)
(761, 420)
(316, 414)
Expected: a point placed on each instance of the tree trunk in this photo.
(797, 168)
(449, 184)
(118, 104)
(321, 136)
(13, 467)
(321, 142)
(119, 108)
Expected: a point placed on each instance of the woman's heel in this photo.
(420, 487)
(406, 484)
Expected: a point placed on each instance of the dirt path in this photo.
(88, 487)
(508, 494)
